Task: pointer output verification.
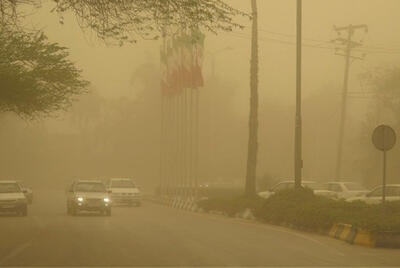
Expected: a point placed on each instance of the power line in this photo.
(265, 39)
(369, 48)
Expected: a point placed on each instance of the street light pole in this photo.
(298, 162)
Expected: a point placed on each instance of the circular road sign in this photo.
(384, 138)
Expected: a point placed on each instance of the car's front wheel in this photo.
(24, 211)
(74, 211)
(107, 212)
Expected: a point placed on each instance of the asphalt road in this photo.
(154, 235)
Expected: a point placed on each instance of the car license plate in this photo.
(6, 206)
(94, 203)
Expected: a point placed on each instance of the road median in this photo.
(356, 222)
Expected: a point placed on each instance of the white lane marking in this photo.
(15, 252)
(19, 249)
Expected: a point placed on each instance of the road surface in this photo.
(154, 235)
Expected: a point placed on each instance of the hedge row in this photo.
(302, 209)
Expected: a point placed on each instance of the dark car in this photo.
(88, 195)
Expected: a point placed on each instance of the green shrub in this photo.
(230, 205)
(221, 192)
(304, 210)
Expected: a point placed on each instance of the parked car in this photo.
(375, 196)
(346, 189)
(124, 192)
(28, 193)
(12, 198)
(88, 195)
(318, 188)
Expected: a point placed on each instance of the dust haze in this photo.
(115, 129)
(121, 128)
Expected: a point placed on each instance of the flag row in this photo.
(181, 62)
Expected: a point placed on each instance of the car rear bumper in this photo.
(126, 200)
(11, 207)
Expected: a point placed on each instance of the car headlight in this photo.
(80, 199)
(106, 200)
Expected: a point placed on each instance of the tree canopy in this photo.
(130, 20)
(36, 77)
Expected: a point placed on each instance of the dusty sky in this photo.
(110, 68)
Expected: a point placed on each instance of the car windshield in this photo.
(90, 187)
(9, 188)
(354, 186)
(122, 184)
(316, 185)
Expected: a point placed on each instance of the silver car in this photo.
(12, 198)
(124, 192)
(318, 188)
(375, 196)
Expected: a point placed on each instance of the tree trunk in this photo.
(253, 118)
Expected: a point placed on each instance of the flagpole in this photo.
(185, 138)
(167, 149)
(191, 176)
(177, 149)
(162, 148)
(196, 143)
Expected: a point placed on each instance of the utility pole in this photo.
(349, 45)
(298, 161)
(250, 187)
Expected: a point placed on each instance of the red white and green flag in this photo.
(181, 63)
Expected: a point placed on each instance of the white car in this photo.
(346, 189)
(375, 196)
(124, 191)
(12, 198)
(318, 188)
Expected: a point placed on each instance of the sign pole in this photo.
(384, 139)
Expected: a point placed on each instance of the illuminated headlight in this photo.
(106, 200)
(79, 199)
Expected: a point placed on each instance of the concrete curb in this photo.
(362, 237)
(387, 240)
(191, 205)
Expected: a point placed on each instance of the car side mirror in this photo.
(25, 191)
